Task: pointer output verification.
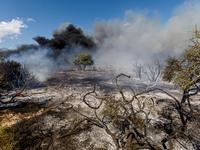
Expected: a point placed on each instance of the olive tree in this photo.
(83, 60)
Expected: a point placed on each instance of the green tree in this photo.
(83, 60)
(185, 71)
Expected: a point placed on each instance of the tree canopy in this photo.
(185, 71)
(83, 60)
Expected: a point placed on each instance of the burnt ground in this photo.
(105, 80)
(42, 115)
(48, 118)
(102, 79)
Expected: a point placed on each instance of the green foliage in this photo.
(171, 68)
(83, 60)
(185, 71)
(112, 110)
(7, 141)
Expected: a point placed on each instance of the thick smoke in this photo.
(139, 37)
(67, 36)
(36, 61)
(118, 43)
(52, 55)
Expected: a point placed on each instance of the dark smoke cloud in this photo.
(66, 38)
(20, 49)
(55, 54)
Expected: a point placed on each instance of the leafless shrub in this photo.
(28, 78)
(154, 71)
(15, 75)
(138, 69)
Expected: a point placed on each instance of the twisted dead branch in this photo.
(131, 120)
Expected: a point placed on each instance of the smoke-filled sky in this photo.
(117, 32)
(21, 20)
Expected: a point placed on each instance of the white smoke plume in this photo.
(41, 65)
(37, 62)
(139, 37)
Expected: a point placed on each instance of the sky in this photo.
(21, 20)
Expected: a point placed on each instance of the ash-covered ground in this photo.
(54, 116)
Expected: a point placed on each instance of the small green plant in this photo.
(83, 60)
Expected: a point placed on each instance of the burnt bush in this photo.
(10, 75)
(14, 75)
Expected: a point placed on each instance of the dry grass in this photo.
(7, 141)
